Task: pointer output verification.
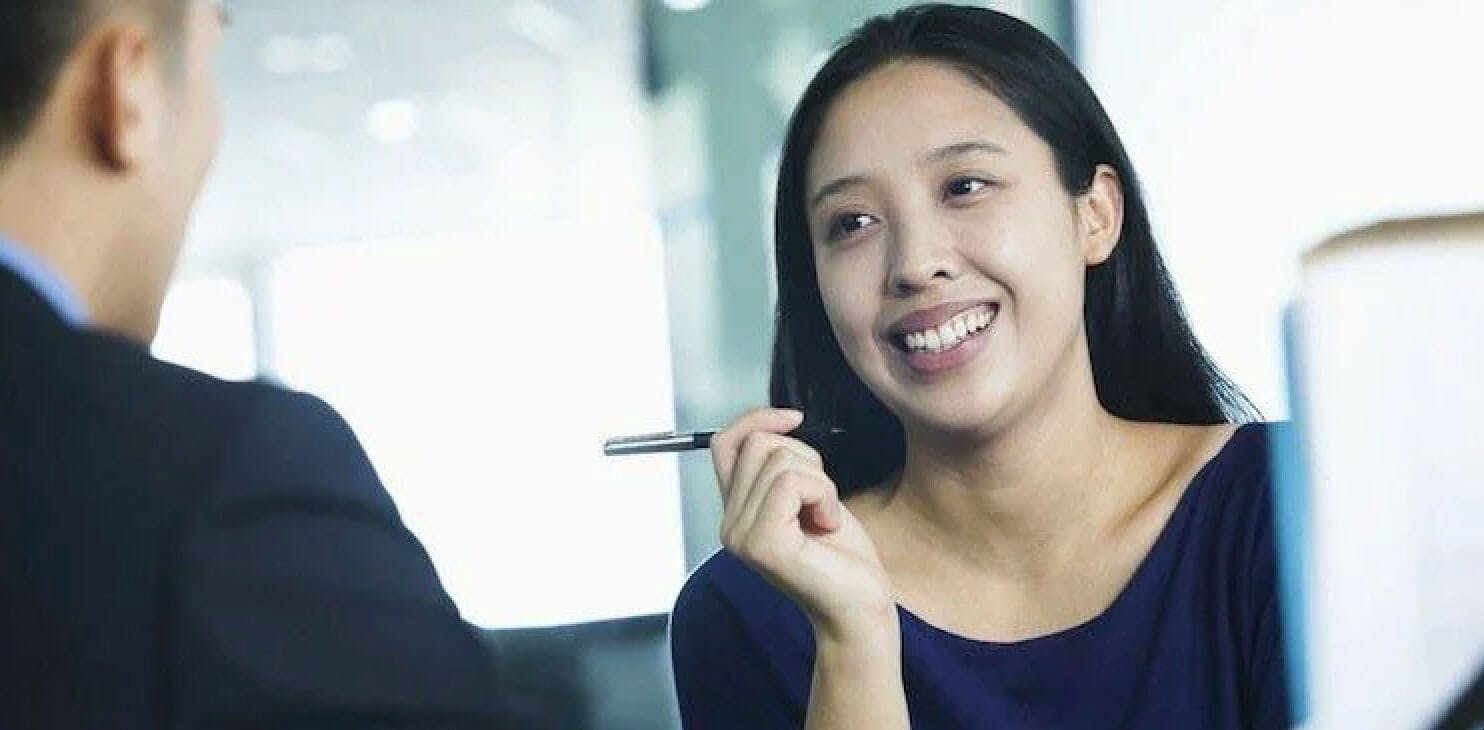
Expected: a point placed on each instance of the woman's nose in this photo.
(923, 257)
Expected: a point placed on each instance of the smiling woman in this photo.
(1147, 365)
(1042, 513)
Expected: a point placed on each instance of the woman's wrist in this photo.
(864, 634)
(858, 677)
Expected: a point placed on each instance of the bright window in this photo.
(207, 324)
(482, 372)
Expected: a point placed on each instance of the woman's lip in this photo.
(932, 317)
(929, 363)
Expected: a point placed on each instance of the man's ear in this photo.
(124, 96)
(1100, 210)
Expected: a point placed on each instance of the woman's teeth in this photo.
(947, 335)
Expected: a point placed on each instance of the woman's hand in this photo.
(783, 517)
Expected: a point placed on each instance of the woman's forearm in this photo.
(858, 681)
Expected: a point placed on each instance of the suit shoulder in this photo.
(253, 426)
(111, 370)
(160, 387)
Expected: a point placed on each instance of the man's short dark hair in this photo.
(36, 37)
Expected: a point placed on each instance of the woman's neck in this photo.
(1026, 500)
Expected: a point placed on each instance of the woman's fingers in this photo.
(784, 454)
(822, 518)
(726, 445)
(794, 492)
(779, 460)
(769, 533)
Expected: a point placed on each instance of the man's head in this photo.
(109, 120)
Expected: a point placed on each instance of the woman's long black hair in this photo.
(1146, 362)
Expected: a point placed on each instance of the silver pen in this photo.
(671, 441)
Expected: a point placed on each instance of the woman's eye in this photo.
(965, 186)
(847, 223)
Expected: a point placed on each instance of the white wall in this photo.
(1261, 126)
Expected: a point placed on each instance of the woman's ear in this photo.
(1100, 210)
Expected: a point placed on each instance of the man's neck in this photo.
(69, 222)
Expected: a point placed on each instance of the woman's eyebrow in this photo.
(952, 150)
(962, 148)
(835, 186)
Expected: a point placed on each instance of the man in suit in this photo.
(175, 551)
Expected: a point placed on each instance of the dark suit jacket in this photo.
(178, 551)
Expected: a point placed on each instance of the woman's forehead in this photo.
(902, 112)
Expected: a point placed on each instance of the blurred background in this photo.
(495, 232)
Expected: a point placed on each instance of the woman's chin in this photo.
(969, 416)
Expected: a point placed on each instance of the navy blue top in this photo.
(1191, 642)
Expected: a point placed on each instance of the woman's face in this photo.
(950, 258)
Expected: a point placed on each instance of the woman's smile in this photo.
(933, 342)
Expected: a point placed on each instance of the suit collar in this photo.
(44, 280)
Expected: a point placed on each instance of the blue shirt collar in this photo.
(45, 280)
